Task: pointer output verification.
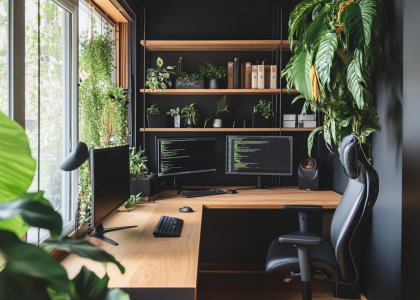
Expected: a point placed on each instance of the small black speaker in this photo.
(308, 174)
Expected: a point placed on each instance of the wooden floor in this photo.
(216, 286)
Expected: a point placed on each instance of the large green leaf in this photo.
(353, 24)
(17, 169)
(35, 211)
(300, 75)
(345, 55)
(81, 248)
(315, 26)
(354, 81)
(298, 17)
(368, 14)
(26, 261)
(311, 139)
(325, 56)
(318, 34)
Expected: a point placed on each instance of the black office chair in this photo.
(304, 254)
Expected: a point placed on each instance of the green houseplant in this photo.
(262, 115)
(333, 62)
(176, 113)
(213, 73)
(221, 110)
(141, 180)
(187, 81)
(155, 119)
(159, 78)
(190, 115)
(43, 276)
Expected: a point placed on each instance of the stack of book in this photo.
(247, 76)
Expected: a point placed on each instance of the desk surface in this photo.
(173, 262)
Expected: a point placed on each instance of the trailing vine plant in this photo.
(332, 65)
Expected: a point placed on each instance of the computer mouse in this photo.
(231, 191)
(185, 209)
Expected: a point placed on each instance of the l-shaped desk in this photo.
(167, 268)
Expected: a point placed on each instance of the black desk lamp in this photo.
(73, 161)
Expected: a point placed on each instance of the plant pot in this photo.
(259, 121)
(185, 84)
(157, 120)
(177, 121)
(144, 186)
(189, 122)
(217, 123)
(213, 84)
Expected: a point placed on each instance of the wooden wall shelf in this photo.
(210, 92)
(228, 45)
(223, 129)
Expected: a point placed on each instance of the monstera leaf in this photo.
(17, 169)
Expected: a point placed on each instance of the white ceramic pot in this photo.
(217, 123)
(177, 121)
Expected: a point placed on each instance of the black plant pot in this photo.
(259, 121)
(193, 84)
(213, 83)
(144, 186)
(158, 120)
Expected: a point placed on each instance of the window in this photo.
(3, 57)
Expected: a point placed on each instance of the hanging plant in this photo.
(333, 62)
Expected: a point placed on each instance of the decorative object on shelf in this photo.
(188, 81)
(213, 74)
(221, 110)
(254, 76)
(141, 180)
(248, 77)
(230, 75)
(155, 119)
(190, 115)
(308, 121)
(176, 113)
(159, 78)
(263, 115)
(261, 76)
(289, 120)
(236, 73)
(333, 62)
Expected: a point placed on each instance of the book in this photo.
(230, 75)
(273, 77)
(267, 73)
(260, 76)
(254, 79)
(248, 74)
(242, 75)
(236, 74)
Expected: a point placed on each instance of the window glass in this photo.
(3, 57)
(47, 104)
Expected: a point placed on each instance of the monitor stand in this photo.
(177, 184)
(258, 187)
(99, 231)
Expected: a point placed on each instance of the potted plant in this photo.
(190, 115)
(213, 73)
(141, 181)
(221, 110)
(262, 116)
(155, 119)
(159, 78)
(176, 113)
(186, 81)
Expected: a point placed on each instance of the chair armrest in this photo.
(301, 238)
(304, 208)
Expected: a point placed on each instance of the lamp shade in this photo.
(76, 158)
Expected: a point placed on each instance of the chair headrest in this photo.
(349, 152)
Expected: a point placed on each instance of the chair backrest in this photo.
(355, 205)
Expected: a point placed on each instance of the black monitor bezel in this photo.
(190, 137)
(95, 223)
(259, 136)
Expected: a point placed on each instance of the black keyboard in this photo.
(168, 227)
(209, 192)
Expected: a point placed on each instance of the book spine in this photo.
(248, 74)
(254, 79)
(236, 75)
(273, 77)
(267, 71)
(230, 75)
(260, 77)
(242, 75)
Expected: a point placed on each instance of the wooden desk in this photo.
(173, 262)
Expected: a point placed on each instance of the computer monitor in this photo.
(259, 155)
(187, 155)
(110, 176)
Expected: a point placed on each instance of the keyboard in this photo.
(168, 227)
(200, 193)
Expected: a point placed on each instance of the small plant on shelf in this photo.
(176, 113)
(265, 108)
(153, 109)
(221, 110)
(190, 115)
(159, 78)
(210, 71)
